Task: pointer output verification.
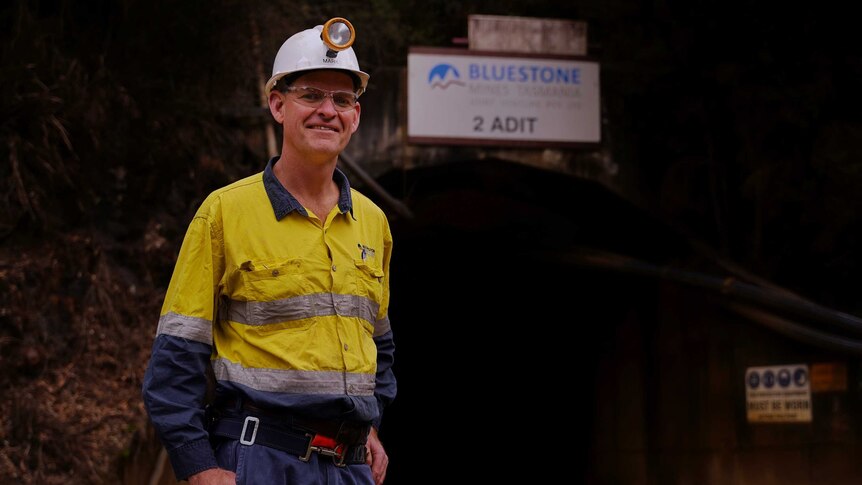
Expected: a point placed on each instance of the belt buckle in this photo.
(337, 453)
(249, 419)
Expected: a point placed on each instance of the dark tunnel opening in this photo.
(497, 344)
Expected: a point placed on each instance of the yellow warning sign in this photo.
(828, 376)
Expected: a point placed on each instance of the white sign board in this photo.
(778, 394)
(455, 97)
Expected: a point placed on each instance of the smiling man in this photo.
(281, 288)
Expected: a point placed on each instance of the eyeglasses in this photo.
(313, 97)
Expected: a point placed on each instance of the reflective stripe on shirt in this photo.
(294, 381)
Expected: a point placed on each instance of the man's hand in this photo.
(214, 476)
(376, 457)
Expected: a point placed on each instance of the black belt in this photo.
(347, 432)
(250, 430)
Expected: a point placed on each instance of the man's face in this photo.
(316, 133)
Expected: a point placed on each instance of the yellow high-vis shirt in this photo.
(289, 303)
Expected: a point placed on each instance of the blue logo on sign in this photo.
(800, 377)
(768, 379)
(444, 75)
(784, 378)
(754, 380)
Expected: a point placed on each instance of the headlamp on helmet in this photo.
(338, 34)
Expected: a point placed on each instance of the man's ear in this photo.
(276, 103)
(355, 125)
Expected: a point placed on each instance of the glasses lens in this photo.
(310, 96)
(343, 100)
(313, 97)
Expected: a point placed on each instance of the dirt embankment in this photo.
(77, 317)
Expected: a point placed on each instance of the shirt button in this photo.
(275, 272)
(333, 268)
(345, 347)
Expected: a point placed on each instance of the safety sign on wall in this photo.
(778, 394)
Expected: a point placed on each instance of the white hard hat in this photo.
(308, 50)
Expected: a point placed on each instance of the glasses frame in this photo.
(325, 94)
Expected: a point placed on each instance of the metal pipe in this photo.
(775, 299)
(798, 331)
(368, 180)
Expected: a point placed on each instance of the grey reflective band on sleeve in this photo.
(191, 328)
(381, 326)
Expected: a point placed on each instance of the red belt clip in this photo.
(326, 446)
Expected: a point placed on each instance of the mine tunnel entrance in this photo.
(497, 340)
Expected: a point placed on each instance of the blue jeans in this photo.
(260, 465)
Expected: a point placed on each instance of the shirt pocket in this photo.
(270, 280)
(369, 280)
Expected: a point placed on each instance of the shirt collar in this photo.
(283, 203)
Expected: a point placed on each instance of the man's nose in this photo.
(327, 107)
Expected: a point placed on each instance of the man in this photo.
(282, 289)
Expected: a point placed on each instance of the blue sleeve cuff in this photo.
(193, 457)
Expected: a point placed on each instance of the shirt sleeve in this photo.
(386, 386)
(175, 383)
(385, 383)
